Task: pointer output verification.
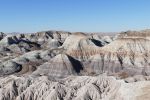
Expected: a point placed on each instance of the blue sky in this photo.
(74, 15)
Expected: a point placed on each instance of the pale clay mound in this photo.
(72, 88)
(59, 65)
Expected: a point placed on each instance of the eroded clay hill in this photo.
(58, 65)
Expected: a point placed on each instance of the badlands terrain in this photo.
(59, 65)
